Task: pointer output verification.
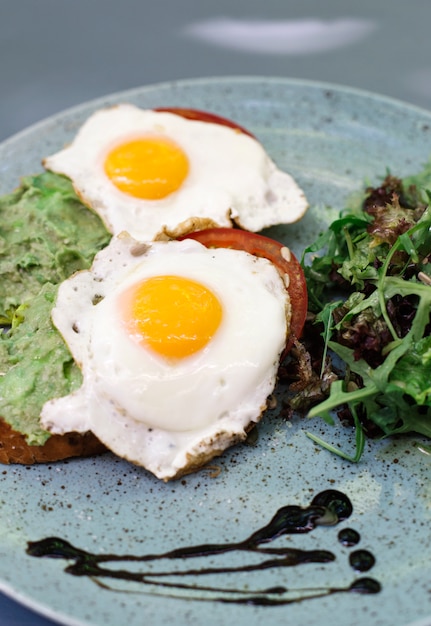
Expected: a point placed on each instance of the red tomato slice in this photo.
(204, 116)
(283, 259)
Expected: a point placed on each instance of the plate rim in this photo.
(231, 78)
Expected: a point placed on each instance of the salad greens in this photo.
(369, 285)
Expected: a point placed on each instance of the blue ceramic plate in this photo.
(332, 140)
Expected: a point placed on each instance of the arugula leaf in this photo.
(359, 442)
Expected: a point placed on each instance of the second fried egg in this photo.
(148, 172)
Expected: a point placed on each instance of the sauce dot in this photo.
(361, 560)
(349, 537)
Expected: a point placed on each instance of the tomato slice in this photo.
(204, 116)
(284, 260)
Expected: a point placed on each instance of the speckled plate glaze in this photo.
(331, 139)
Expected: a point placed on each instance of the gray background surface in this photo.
(58, 53)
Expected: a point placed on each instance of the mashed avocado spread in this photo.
(46, 234)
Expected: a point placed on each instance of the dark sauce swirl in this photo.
(328, 508)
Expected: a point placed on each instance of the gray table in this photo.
(57, 53)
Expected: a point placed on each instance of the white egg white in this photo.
(231, 177)
(170, 415)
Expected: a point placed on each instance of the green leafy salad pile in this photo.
(366, 353)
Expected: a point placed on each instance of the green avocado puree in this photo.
(46, 234)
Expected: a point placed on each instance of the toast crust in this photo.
(15, 449)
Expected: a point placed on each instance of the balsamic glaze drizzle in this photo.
(328, 508)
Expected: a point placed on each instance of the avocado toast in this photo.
(46, 234)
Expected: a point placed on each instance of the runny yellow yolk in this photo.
(149, 168)
(173, 315)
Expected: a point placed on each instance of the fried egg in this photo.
(150, 172)
(179, 347)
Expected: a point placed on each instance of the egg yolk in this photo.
(173, 315)
(149, 168)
